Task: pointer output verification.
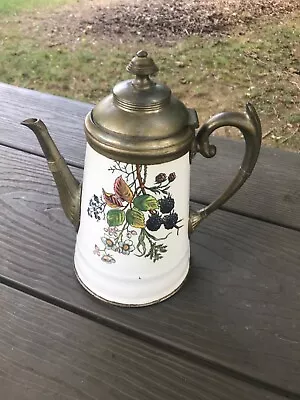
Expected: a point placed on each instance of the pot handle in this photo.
(249, 125)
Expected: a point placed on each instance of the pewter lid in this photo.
(141, 121)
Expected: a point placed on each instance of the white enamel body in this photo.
(131, 279)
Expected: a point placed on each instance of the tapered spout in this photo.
(69, 188)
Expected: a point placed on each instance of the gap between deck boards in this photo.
(160, 343)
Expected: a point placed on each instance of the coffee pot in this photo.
(131, 212)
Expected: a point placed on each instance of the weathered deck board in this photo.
(50, 353)
(239, 307)
(274, 187)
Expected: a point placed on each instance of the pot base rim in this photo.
(160, 300)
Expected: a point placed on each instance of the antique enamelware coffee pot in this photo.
(132, 210)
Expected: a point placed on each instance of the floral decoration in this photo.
(133, 210)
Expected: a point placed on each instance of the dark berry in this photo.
(170, 220)
(172, 177)
(154, 222)
(166, 204)
(160, 178)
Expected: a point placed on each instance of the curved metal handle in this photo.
(249, 124)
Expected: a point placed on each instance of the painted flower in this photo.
(116, 248)
(97, 250)
(131, 233)
(112, 231)
(126, 247)
(108, 242)
(96, 208)
(108, 259)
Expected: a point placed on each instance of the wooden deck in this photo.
(233, 330)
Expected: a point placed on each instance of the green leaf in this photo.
(145, 202)
(115, 217)
(135, 218)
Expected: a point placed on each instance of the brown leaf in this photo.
(112, 200)
(122, 190)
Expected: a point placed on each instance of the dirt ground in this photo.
(157, 20)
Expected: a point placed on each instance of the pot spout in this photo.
(69, 188)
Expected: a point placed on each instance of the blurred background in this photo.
(214, 54)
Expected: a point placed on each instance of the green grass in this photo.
(209, 74)
(15, 6)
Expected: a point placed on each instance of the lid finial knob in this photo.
(141, 65)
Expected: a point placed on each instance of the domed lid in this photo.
(141, 93)
(141, 121)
